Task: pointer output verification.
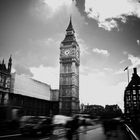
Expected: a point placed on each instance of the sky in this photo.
(107, 31)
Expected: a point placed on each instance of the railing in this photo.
(132, 135)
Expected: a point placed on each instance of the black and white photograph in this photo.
(69, 70)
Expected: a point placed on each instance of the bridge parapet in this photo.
(131, 133)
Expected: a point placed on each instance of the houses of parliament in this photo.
(21, 95)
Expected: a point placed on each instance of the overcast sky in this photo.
(108, 33)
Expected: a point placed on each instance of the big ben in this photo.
(69, 73)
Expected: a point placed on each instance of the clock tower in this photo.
(69, 73)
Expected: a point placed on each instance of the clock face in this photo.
(70, 52)
(67, 52)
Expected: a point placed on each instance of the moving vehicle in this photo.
(86, 118)
(59, 122)
(61, 119)
(32, 125)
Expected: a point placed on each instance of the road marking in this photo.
(10, 135)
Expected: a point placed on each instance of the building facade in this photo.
(21, 95)
(54, 95)
(69, 73)
(5, 78)
(132, 98)
(95, 111)
(31, 97)
(26, 86)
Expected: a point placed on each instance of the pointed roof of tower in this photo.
(70, 26)
(3, 61)
(10, 59)
(135, 80)
(69, 37)
(3, 65)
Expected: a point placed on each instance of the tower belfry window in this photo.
(134, 92)
(134, 97)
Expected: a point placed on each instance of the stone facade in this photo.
(54, 95)
(69, 73)
(31, 97)
(5, 80)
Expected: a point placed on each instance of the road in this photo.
(93, 133)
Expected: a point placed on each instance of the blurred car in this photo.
(36, 125)
(85, 118)
(59, 122)
(61, 119)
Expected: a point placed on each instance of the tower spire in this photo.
(70, 34)
(69, 79)
(10, 63)
(70, 26)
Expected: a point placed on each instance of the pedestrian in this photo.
(72, 127)
(68, 127)
(84, 126)
(106, 127)
(114, 126)
(75, 125)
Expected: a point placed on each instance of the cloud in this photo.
(49, 75)
(125, 52)
(138, 42)
(102, 52)
(122, 61)
(21, 69)
(108, 25)
(40, 51)
(108, 69)
(83, 46)
(135, 61)
(47, 9)
(55, 5)
(104, 11)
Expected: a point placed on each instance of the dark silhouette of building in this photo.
(94, 110)
(100, 111)
(5, 78)
(69, 73)
(132, 98)
(112, 111)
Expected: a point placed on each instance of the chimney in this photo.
(135, 71)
